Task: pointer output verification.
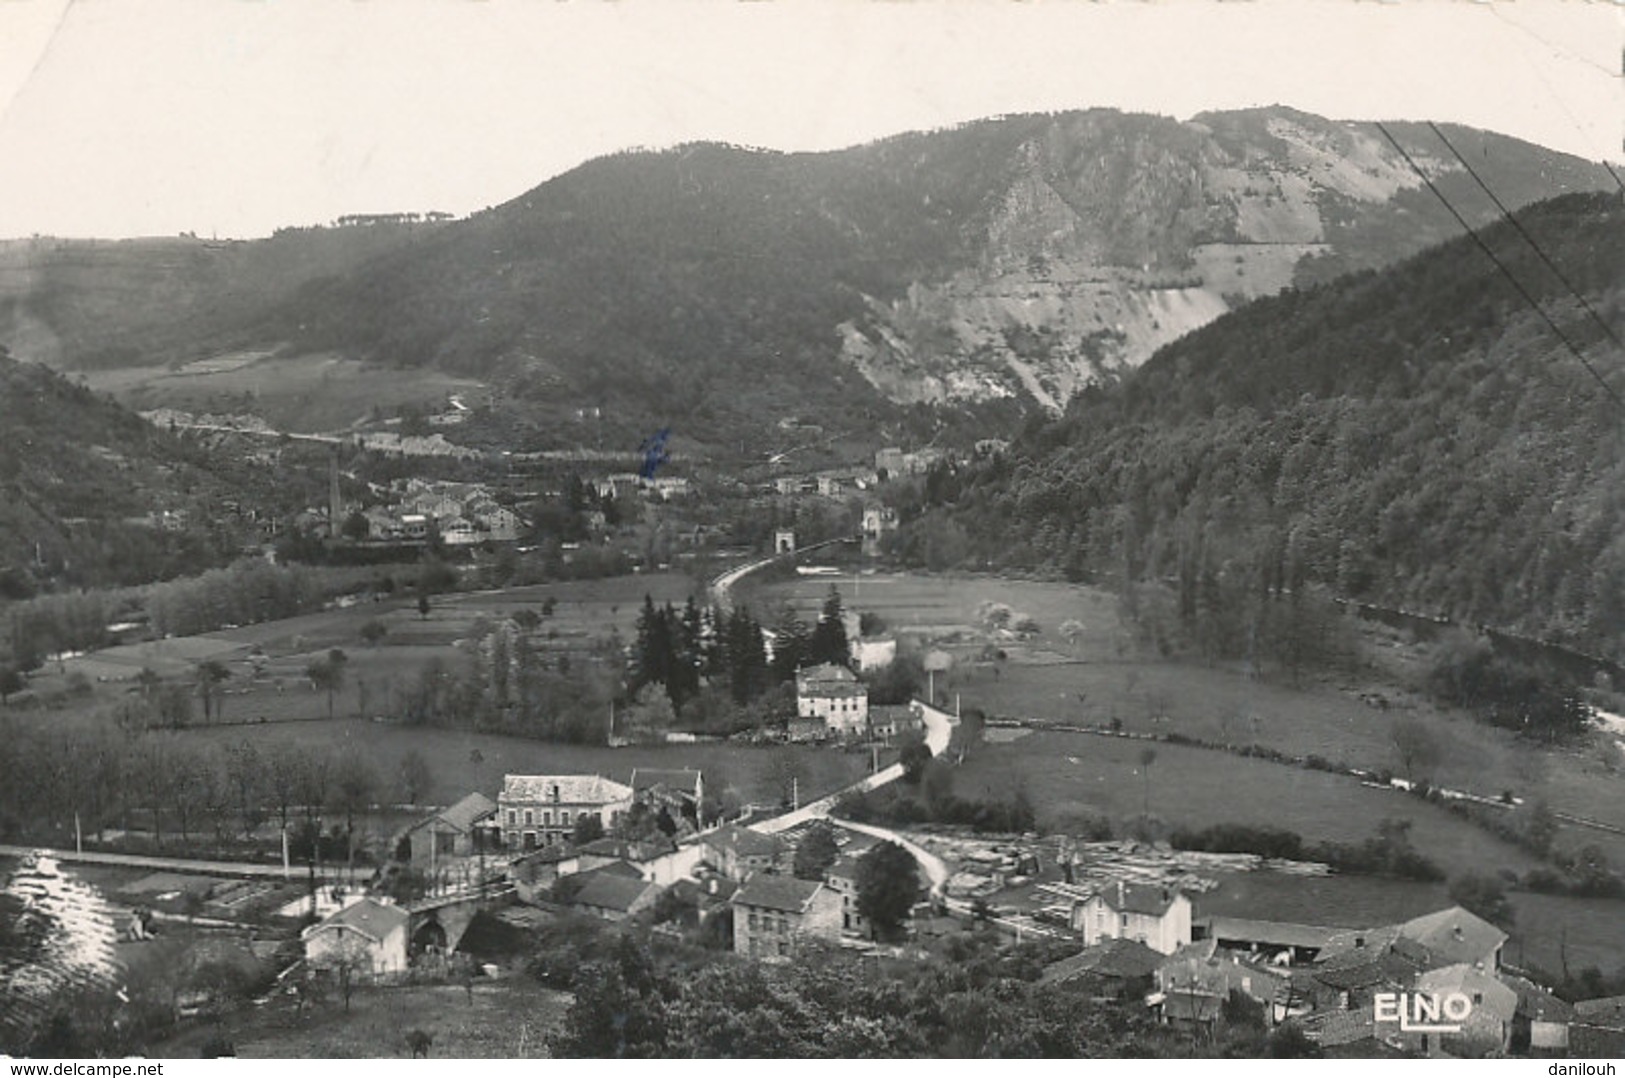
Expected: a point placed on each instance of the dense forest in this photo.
(84, 483)
(1419, 438)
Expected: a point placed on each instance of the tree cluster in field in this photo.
(1413, 439)
(696, 649)
(976, 996)
(204, 795)
(1536, 701)
(1387, 853)
(928, 797)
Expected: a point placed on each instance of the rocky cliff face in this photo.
(1119, 234)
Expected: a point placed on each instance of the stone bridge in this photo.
(440, 921)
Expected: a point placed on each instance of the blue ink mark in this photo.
(654, 452)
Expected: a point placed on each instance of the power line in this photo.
(1506, 214)
(1507, 273)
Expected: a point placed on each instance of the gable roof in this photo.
(1487, 993)
(1139, 898)
(612, 891)
(825, 673)
(784, 893)
(1333, 1028)
(1536, 1002)
(1269, 933)
(744, 842)
(1116, 958)
(626, 850)
(678, 779)
(1453, 935)
(369, 917)
(469, 811)
(573, 789)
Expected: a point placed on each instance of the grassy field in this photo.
(1102, 674)
(1192, 787)
(507, 1019)
(583, 610)
(302, 394)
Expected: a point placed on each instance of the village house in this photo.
(842, 878)
(611, 896)
(833, 693)
(464, 830)
(887, 722)
(1281, 941)
(1192, 985)
(1540, 1027)
(534, 873)
(1115, 967)
(679, 790)
(1487, 1028)
(1355, 965)
(772, 913)
(540, 810)
(872, 652)
(369, 934)
(739, 853)
(1598, 1030)
(1159, 917)
(459, 531)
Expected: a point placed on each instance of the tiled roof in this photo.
(1608, 1012)
(1271, 933)
(745, 842)
(469, 811)
(1332, 1028)
(1119, 958)
(1453, 935)
(573, 789)
(611, 891)
(1138, 898)
(825, 673)
(369, 917)
(547, 855)
(1486, 992)
(1535, 1001)
(785, 893)
(686, 780)
(629, 851)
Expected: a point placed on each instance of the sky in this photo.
(235, 117)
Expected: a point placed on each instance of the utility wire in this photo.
(1507, 273)
(1506, 215)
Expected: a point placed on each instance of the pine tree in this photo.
(828, 643)
(791, 645)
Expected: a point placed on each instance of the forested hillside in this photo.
(84, 485)
(1418, 437)
(995, 267)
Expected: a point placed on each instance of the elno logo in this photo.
(1422, 1012)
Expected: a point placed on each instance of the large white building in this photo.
(1159, 917)
(834, 694)
(539, 810)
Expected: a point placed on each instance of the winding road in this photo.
(939, 726)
